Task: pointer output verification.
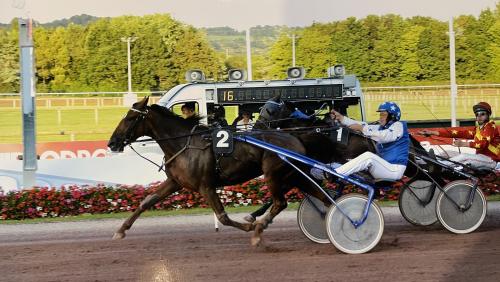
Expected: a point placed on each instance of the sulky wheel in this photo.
(417, 204)
(460, 219)
(311, 219)
(342, 232)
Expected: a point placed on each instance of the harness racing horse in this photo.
(319, 145)
(313, 132)
(277, 113)
(190, 163)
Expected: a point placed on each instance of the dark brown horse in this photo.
(315, 135)
(277, 113)
(191, 163)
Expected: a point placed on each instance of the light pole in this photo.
(129, 98)
(294, 38)
(293, 50)
(28, 92)
(249, 54)
(453, 81)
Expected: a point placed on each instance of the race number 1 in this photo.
(222, 141)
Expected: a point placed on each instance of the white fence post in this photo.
(96, 116)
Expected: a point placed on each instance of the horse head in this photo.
(272, 109)
(284, 114)
(130, 127)
(275, 112)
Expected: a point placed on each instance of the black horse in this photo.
(316, 135)
(190, 163)
(319, 137)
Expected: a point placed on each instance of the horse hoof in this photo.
(249, 218)
(118, 236)
(255, 241)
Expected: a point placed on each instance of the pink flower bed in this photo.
(67, 201)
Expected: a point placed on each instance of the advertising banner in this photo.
(58, 150)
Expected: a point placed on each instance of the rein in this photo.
(142, 115)
(187, 146)
(280, 105)
(173, 137)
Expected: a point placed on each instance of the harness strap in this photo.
(187, 146)
(175, 155)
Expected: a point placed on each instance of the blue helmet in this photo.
(392, 108)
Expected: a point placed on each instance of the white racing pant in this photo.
(478, 161)
(378, 167)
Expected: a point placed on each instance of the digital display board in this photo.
(262, 94)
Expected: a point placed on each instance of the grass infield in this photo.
(69, 123)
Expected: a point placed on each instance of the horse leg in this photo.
(165, 189)
(278, 204)
(276, 187)
(251, 217)
(214, 202)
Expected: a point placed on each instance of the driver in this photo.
(486, 139)
(393, 143)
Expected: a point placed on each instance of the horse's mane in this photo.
(190, 121)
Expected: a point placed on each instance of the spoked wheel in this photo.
(415, 205)
(311, 217)
(342, 232)
(458, 219)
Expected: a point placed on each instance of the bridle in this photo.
(128, 134)
(267, 112)
(142, 115)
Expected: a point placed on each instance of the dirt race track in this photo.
(187, 249)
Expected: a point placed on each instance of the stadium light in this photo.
(129, 98)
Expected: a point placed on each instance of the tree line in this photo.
(385, 49)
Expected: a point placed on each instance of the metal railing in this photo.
(68, 102)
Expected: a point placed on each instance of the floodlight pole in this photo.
(129, 98)
(28, 90)
(453, 82)
(249, 55)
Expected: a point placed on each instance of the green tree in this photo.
(281, 57)
(433, 51)
(351, 47)
(9, 60)
(314, 49)
(493, 51)
(385, 58)
(407, 49)
(493, 48)
(193, 52)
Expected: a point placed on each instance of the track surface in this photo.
(186, 248)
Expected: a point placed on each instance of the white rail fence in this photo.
(434, 98)
(69, 100)
(467, 93)
(427, 99)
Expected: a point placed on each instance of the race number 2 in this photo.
(222, 141)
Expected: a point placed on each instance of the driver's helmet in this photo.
(391, 108)
(482, 106)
